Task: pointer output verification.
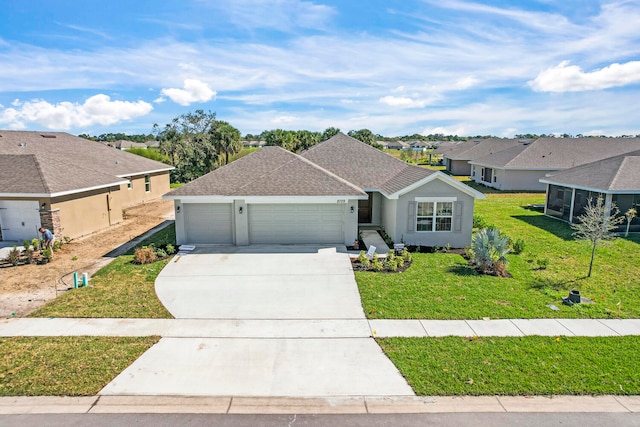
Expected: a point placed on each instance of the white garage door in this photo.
(19, 219)
(208, 223)
(296, 223)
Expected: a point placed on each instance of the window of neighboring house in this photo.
(495, 175)
(129, 183)
(434, 216)
(147, 183)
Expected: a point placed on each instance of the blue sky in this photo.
(395, 67)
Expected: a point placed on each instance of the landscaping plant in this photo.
(597, 224)
(490, 249)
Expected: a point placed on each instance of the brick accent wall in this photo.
(51, 219)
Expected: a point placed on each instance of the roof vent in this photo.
(22, 144)
(48, 136)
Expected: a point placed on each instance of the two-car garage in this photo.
(265, 223)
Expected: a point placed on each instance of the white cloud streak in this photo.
(98, 109)
(193, 91)
(571, 78)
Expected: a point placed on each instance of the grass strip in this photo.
(517, 366)
(65, 366)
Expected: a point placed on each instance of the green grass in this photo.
(65, 366)
(443, 286)
(517, 366)
(119, 290)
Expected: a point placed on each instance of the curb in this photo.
(317, 405)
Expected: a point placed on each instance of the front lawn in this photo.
(443, 286)
(517, 366)
(65, 366)
(119, 290)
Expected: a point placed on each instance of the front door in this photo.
(365, 207)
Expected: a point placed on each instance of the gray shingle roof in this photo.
(614, 174)
(558, 153)
(480, 148)
(271, 171)
(363, 165)
(65, 163)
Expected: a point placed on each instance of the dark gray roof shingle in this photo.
(614, 174)
(363, 165)
(271, 171)
(66, 163)
(558, 153)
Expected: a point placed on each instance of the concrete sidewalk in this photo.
(321, 328)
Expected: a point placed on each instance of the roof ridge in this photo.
(615, 176)
(309, 162)
(40, 173)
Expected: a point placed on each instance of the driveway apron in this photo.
(277, 285)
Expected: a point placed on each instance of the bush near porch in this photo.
(444, 286)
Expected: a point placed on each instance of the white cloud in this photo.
(98, 109)
(571, 78)
(403, 101)
(194, 91)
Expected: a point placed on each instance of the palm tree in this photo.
(226, 139)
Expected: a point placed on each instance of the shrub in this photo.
(14, 256)
(490, 248)
(47, 253)
(36, 244)
(392, 264)
(29, 255)
(479, 222)
(57, 244)
(406, 255)
(517, 247)
(161, 253)
(376, 265)
(170, 249)
(26, 244)
(144, 255)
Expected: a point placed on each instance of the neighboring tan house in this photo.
(615, 179)
(456, 157)
(322, 196)
(521, 166)
(70, 185)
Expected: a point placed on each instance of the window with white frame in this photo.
(129, 183)
(147, 183)
(434, 216)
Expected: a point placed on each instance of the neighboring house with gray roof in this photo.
(70, 185)
(457, 157)
(615, 179)
(322, 195)
(522, 166)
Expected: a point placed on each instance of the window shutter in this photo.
(411, 218)
(457, 217)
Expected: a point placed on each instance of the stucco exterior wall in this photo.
(86, 213)
(459, 167)
(522, 179)
(137, 194)
(436, 188)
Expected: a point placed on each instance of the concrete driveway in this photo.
(260, 282)
(309, 289)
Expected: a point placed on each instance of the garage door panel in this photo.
(208, 223)
(19, 219)
(296, 223)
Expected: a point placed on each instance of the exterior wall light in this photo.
(177, 209)
(240, 210)
(352, 209)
